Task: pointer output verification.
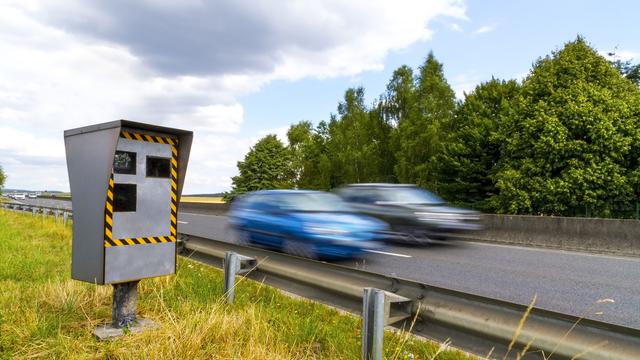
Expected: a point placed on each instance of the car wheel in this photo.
(298, 248)
(243, 237)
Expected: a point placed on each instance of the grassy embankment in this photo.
(45, 314)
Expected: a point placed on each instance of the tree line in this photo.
(3, 178)
(565, 138)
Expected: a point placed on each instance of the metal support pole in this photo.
(56, 213)
(44, 213)
(33, 212)
(231, 268)
(235, 264)
(125, 301)
(65, 217)
(372, 324)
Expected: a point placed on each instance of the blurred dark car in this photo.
(415, 215)
(311, 224)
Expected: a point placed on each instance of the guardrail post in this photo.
(65, 217)
(56, 213)
(235, 264)
(380, 308)
(372, 324)
(33, 212)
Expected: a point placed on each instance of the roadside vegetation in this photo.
(565, 140)
(3, 178)
(45, 314)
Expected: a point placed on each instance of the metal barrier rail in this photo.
(474, 323)
(44, 210)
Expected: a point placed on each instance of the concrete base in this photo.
(108, 332)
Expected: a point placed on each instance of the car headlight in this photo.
(436, 216)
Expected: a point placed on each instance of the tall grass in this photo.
(45, 314)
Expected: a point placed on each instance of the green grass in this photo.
(45, 314)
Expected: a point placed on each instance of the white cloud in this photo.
(58, 75)
(485, 29)
(464, 84)
(622, 55)
(455, 27)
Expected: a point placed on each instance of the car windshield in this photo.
(320, 202)
(409, 195)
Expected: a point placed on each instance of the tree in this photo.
(3, 178)
(419, 132)
(358, 142)
(396, 105)
(472, 148)
(310, 158)
(299, 137)
(267, 165)
(626, 68)
(573, 141)
(399, 100)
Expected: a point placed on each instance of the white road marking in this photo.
(388, 253)
(556, 251)
(182, 222)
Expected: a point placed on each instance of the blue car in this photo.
(311, 224)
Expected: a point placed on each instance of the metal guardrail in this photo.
(474, 323)
(36, 209)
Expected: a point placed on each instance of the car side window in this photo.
(264, 204)
(362, 197)
(250, 202)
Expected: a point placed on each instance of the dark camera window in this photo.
(124, 162)
(158, 167)
(124, 197)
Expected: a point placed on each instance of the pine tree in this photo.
(419, 133)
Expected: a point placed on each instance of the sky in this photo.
(236, 70)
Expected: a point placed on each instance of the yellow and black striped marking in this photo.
(149, 138)
(109, 241)
(174, 191)
(139, 241)
(108, 213)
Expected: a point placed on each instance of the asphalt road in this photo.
(562, 281)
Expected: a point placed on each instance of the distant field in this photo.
(46, 315)
(202, 199)
(57, 194)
